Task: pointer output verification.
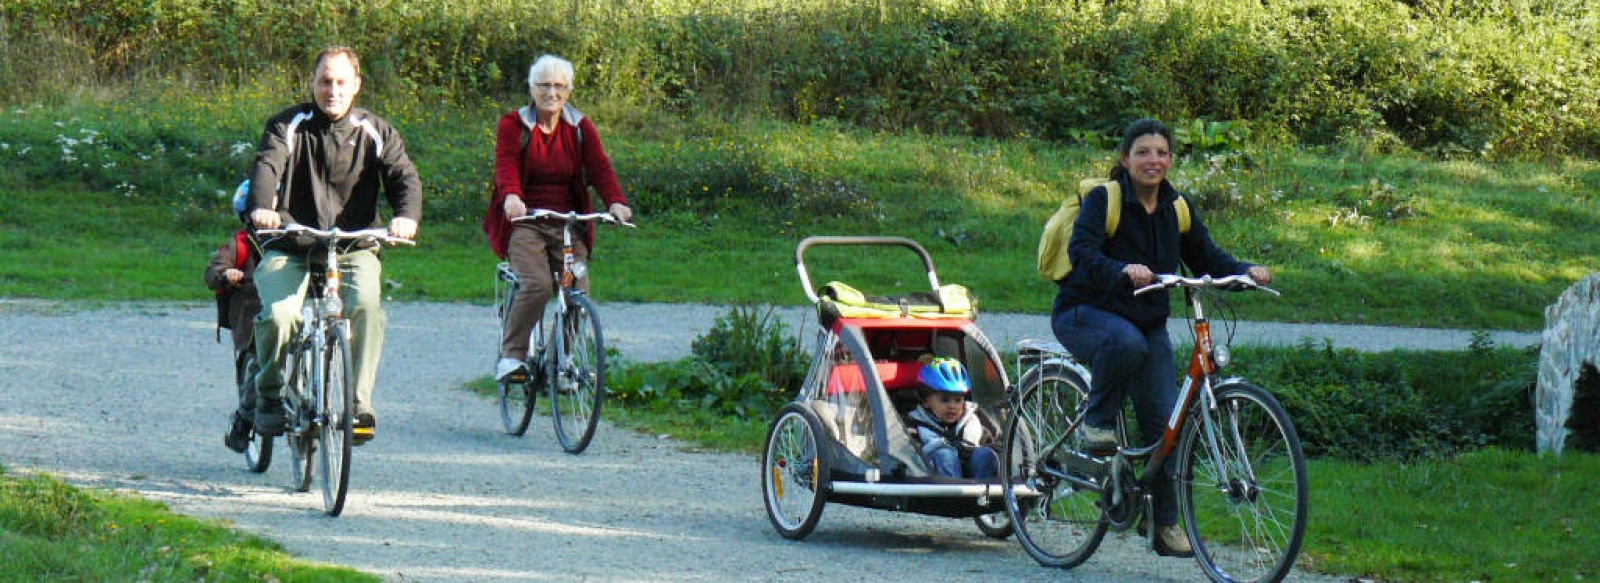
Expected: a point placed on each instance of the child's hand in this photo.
(233, 276)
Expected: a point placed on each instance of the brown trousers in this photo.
(535, 255)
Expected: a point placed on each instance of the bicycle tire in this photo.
(795, 470)
(577, 386)
(338, 419)
(516, 398)
(258, 449)
(1064, 526)
(300, 442)
(1235, 523)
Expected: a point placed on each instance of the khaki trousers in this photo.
(281, 280)
(535, 255)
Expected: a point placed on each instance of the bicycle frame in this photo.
(1238, 472)
(572, 271)
(321, 338)
(1199, 380)
(574, 381)
(322, 310)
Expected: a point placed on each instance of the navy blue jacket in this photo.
(1150, 239)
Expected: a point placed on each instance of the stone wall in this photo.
(1567, 402)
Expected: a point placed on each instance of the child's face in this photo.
(946, 407)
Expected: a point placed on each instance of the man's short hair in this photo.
(349, 53)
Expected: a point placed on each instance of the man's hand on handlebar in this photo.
(403, 228)
(266, 219)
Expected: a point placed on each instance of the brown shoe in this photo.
(1097, 440)
(1171, 541)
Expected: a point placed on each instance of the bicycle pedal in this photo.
(361, 435)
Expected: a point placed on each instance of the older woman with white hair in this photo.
(547, 155)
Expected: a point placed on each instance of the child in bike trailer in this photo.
(947, 424)
(228, 275)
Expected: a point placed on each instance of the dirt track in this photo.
(135, 397)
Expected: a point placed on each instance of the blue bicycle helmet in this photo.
(945, 375)
(241, 199)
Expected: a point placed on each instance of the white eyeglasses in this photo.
(552, 87)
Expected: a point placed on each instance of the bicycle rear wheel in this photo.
(1063, 525)
(298, 437)
(578, 387)
(1242, 486)
(258, 451)
(517, 395)
(338, 415)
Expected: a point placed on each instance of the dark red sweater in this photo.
(549, 173)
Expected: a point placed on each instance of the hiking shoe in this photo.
(366, 428)
(238, 437)
(1171, 541)
(270, 418)
(1097, 440)
(510, 369)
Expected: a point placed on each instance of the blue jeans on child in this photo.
(947, 462)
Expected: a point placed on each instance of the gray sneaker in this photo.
(510, 369)
(1096, 439)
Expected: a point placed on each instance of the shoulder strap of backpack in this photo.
(1181, 206)
(1113, 207)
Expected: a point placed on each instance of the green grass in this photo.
(1491, 515)
(1401, 240)
(50, 531)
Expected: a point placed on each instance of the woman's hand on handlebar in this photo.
(1262, 275)
(1138, 274)
(514, 207)
(621, 212)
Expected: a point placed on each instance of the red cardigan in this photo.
(511, 164)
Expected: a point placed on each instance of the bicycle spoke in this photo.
(578, 387)
(1244, 496)
(1062, 526)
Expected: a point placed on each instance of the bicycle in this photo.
(258, 451)
(1240, 477)
(318, 397)
(570, 361)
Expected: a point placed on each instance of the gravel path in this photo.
(135, 397)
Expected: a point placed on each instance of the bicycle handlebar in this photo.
(571, 217)
(336, 234)
(1232, 282)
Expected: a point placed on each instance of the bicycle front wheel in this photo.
(579, 384)
(338, 415)
(1058, 522)
(1242, 486)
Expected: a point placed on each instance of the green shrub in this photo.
(1452, 78)
(746, 365)
(1399, 405)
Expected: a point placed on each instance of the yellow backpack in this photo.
(1053, 263)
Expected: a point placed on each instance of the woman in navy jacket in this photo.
(1122, 338)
